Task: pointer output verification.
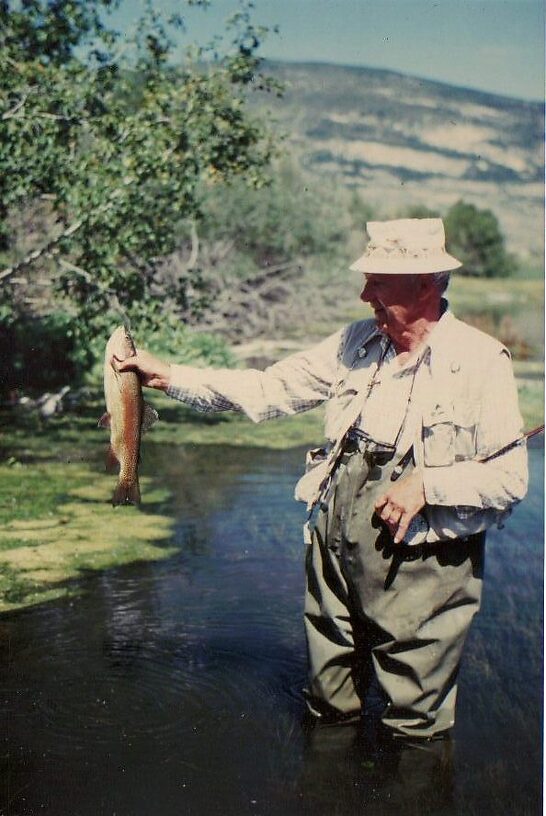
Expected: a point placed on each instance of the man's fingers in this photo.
(129, 364)
(396, 519)
(381, 502)
(399, 505)
(390, 512)
(403, 525)
(116, 363)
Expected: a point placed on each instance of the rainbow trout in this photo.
(127, 415)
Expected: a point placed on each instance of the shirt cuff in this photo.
(187, 384)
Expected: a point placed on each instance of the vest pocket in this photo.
(466, 418)
(449, 434)
(439, 444)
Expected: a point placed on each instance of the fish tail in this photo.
(126, 493)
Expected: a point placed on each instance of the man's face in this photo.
(395, 299)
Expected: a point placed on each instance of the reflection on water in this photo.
(175, 687)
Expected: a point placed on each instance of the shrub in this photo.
(474, 237)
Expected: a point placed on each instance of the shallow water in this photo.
(175, 687)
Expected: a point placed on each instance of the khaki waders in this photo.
(383, 618)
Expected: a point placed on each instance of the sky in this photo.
(490, 45)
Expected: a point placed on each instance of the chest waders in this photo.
(385, 617)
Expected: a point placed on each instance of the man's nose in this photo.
(365, 296)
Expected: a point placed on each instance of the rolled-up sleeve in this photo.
(295, 384)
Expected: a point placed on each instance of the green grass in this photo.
(181, 425)
(57, 523)
(530, 380)
(467, 293)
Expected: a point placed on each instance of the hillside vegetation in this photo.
(403, 141)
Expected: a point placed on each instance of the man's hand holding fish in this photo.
(152, 371)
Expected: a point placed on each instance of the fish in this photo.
(127, 416)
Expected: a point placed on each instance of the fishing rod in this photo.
(523, 438)
(405, 460)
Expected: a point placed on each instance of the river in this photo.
(175, 687)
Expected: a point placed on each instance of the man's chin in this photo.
(381, 320)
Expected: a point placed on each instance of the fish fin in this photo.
(126, 493)
(112, 461)
(104, 421)
(149, 416)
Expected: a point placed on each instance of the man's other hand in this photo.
(400, 504)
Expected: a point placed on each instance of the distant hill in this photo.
(403, 141)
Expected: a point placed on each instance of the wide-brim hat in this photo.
(412, 246)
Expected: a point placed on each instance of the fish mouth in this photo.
(130, 342)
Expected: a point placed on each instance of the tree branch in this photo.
(194, 254)
(11, 113)
(40, 253)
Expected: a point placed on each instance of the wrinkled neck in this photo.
(412, 337)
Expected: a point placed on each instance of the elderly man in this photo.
(418, 405)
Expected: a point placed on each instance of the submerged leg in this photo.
(421, 618)
(332, 692)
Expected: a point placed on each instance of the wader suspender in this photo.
(338, 449)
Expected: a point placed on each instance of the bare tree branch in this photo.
(40, 253)
(194, 254)
(13, 111)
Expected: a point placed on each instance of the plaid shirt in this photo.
(298, 383)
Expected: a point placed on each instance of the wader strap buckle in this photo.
(402, 464)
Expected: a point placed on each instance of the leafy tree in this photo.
(474, 236)
(118, 151)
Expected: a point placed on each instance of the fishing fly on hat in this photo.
(413, 246)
